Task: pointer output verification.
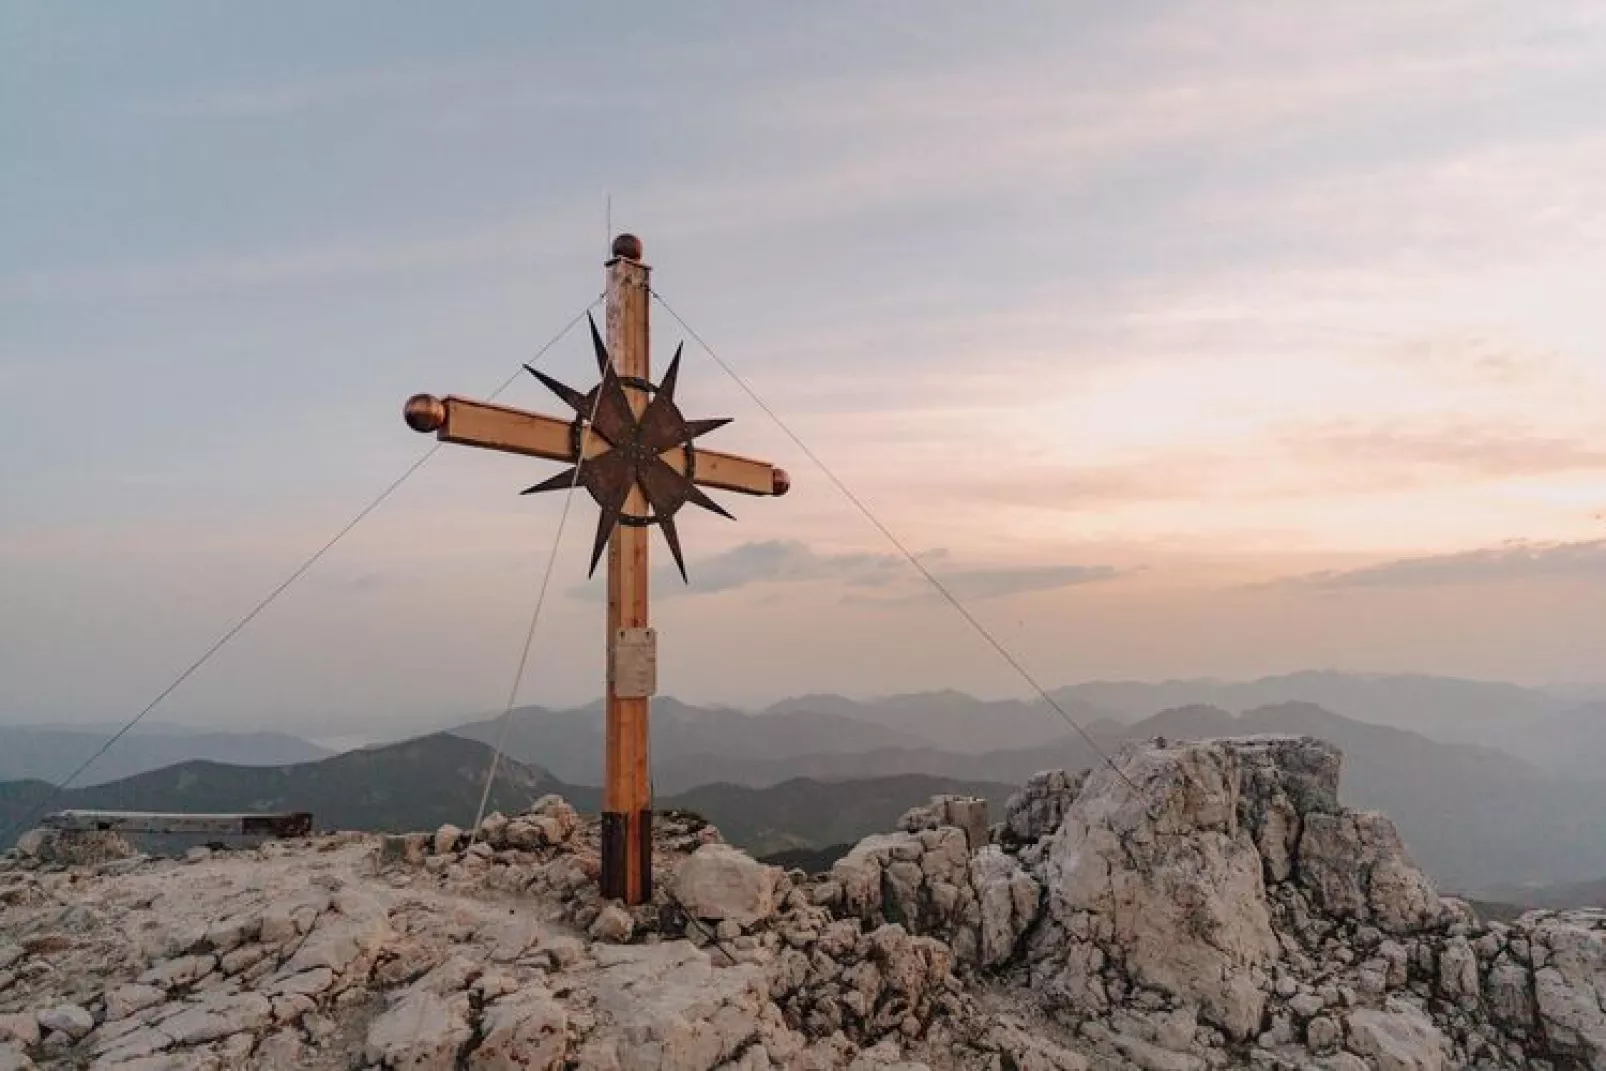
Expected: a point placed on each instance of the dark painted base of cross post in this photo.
(644, 848)
(619, 843)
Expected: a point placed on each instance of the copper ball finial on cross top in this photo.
(627, 246)
(631, 448)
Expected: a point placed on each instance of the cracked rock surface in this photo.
(1192, 905)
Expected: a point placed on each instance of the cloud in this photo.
(1511, 561)
(1161, 477)
(1471, 449)
(789, 561)
(996, 583)
(869, 576)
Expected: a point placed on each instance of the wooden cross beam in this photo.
(641, 466)
(514, 431)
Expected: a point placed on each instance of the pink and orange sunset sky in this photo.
(1183, 339)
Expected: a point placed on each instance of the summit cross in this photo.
(629, 446)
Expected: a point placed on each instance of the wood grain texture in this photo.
(628, 783)
(515, 431)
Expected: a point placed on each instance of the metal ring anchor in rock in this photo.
(634, 457)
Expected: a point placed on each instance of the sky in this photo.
(1178, 339)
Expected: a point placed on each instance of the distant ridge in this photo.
(416, 784)
(804, 813)
(52, 753)
(425, 782)
(570, 742)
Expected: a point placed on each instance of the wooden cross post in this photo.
(633, 451)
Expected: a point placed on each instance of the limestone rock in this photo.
(218, 1018)
(1205, 905)
(1173, 878)
(1007, 898)
(557, 810)
(1357, 868)
(447, 838)
(21, 1028)
(718, 882)
(1509, 991)
(70, 1019)
(676, 1008)
(1458, 972)
(920, 880)
(421, 1032)
(1398, 1038)
(492, 828)
(1036, 810)
(613, 924)
(1028, 1050)
(1284, 778)
(282, 1048)
(36, 843)
(1322, 1034)
(525, 1030)
(966, 813)
(181, 971)
(1570, 988)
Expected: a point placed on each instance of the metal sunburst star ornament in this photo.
(634, 458)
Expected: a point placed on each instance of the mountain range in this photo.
(51, 754)
(569, 742)
(1455, 710)
(417, 784)
(425, 782)
(1474, 815)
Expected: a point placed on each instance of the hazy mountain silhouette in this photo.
(1553, 897)
(804, 813)
(569, 743)
(1492, 713)
(421, 783)
(1572, 742)
(1552, 729)
(1474, 816)
(416, 784)
(51, 754)
(949, 720)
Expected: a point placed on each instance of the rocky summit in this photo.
(1191, 905)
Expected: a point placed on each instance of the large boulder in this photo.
(670, 1007)
(1007, 900)
(928, 883)
(524, 1030)
(1036, 810)
(422, 1031)
(1283, 779)
(717, 882)
(1357, 868)
(1569, 978)
(966, 813)
(1398, 1037)
(1154, 880)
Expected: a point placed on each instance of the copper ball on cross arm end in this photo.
(425, 412)
(782, 483)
